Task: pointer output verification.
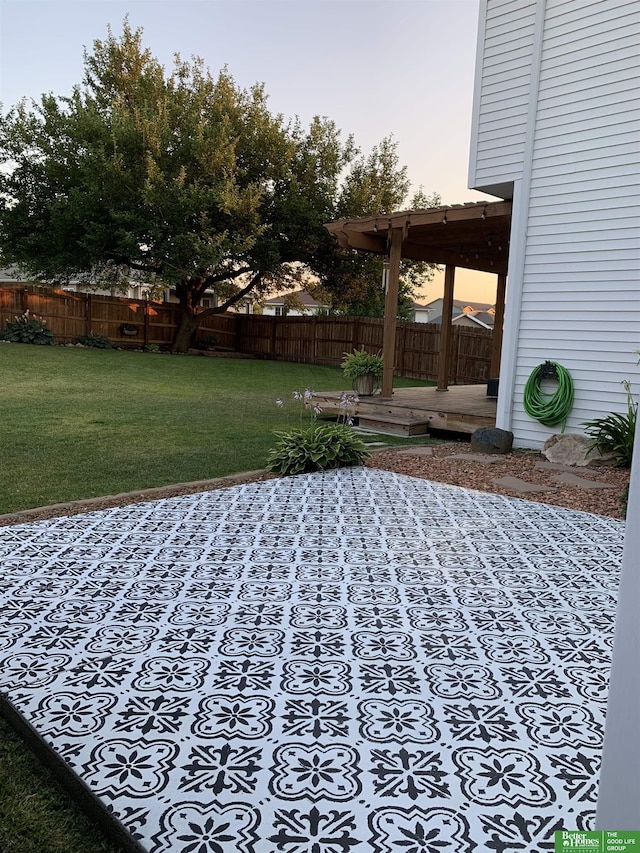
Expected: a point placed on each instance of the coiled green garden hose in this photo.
(549, 409)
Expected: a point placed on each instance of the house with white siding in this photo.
(297, 303)
(556, 129)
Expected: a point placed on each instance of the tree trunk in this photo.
(184, 333)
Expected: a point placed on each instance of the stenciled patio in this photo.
(354, 660)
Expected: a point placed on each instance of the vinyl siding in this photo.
(580, 302)
(503, 92)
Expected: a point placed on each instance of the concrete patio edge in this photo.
(80, 793)
(137, 496)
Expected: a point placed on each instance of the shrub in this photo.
(28, 329)
(207, 342)
(97, 341)
(318, 448)
(614, 433)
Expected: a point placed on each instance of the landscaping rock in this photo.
(571, 450)
(491, 440)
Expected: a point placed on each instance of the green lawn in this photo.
(36, 815)
(81, 423)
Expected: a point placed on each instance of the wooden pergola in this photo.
(473, 236)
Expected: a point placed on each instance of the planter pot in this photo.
(364, 385)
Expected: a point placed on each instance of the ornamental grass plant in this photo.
(614, 434)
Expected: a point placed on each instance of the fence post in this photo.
(25, 300)
(402, 343)
(455, 352)
(314, 333)
(238, 332)
(356, 333)
(87, 314)
(272, 342)
(146, 322)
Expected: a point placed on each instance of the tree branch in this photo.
(224, 276)
(220, 309)
(135, 265)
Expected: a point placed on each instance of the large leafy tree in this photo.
(352, 282)
(181, 179)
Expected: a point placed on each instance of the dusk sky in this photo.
(377, 67)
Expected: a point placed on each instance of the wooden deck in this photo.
(417, 411)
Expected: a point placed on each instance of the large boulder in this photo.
(571, 449)
(491, 440)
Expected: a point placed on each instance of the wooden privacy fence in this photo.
(313, 340)
(324, 340)
(126, 322)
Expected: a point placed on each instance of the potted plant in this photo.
(364, 369)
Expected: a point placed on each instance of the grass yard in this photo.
(82, 423)
(36, 814)
(79, 423)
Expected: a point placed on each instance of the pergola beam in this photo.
(365, 242)
(438, 255)
(414, 218)
(415, 252)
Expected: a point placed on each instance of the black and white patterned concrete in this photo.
(354, 660)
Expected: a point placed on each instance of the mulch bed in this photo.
(522, 464)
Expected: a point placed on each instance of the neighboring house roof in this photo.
(468, 307)
(485, 317)
(305, 298)
(482, 318)
(459, 308)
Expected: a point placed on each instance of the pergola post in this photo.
(498, 325)
(445, 328)
(390, 313)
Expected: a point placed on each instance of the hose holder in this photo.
(548, 370)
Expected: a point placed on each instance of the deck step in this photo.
(395, 424)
